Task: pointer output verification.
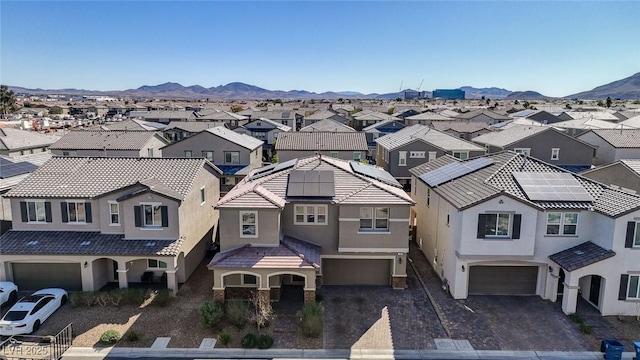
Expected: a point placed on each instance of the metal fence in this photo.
(30, 347)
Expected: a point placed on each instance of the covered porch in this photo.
(267, 269)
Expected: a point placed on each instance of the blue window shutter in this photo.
(23, 211)
(65, 212)
(165, 216)
(47, 211)
(515, 233)
(87, 212)
(137, 215)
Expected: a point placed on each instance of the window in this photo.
(228, 180)
(636, 237)
(260, 135)
(248, 224)
(36, 211)
(114, 213)
(208, 155)
(432, 155)
(202, 198)
(232, 157)
(462, 155)
(248, 279)
(555, 154)
(310, 215)
(402, 158)
(375, 219)
(188, 153)
(357, 155)
(417, 154)
(523, 151)
(497, 224)
(76, 212)
(633, 288)
(562, 223)
(70, 153)
(334, 154)
(156, 264)
(152, 215)
(150, 152)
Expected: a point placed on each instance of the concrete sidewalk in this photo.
(79, 353)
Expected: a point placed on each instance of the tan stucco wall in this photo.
(268, 228)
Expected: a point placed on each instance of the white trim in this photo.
(555, 156)
(242, 272)
(525, 151)
(316, 207)
(391, 220)
(373, 232)
(44, 209)
(203, 195)
(109, 203)
(374, 250)
(402, 158)
(240, 213)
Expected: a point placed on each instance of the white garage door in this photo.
(503, 280)
(35, 276)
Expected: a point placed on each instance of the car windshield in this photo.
(15, 315)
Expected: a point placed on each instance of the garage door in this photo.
(35, 276)
(503, 280)
(356, 272)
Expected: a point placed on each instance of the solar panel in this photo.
(452, 171)
(374, 172)
(550, 186)
(268, 170)
(9, 169)
(311, 183)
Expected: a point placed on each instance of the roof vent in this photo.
(151, 243)
(579, 252)
(32, 242)
(85, 243)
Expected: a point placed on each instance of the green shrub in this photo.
(76, 299)
(109, 337)
(265, 342)
(210, 313)
(311, 320)
(238, 312)
(575, 318)
(224, 338)
(133, 296)
(249, 341)
(133, 336)
(585, 329)
(162, 298)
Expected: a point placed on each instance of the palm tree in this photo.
(7, 100)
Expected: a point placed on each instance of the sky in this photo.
(554, 47)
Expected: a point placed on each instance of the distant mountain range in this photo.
(628, 88)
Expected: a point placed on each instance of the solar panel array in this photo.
(551, 186)
(9, 169)
(452, 171)
(268, 170)
(374, 172)
(311, 183)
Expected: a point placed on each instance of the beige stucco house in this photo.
(120, 143)
(80, 223)
(311, 221)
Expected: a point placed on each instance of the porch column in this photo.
(86, 274)
(123, 282)
(309, 296)
(172, 282)
(570, 295)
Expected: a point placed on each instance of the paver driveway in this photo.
(376, 317)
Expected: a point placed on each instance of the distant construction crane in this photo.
(419, 86)
(401, 81)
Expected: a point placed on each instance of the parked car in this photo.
(26, 316)
(8, 292)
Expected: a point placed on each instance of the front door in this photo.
(594, 291)
(561, 283)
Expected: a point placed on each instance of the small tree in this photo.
(55, 110)
(262, 310)
(609, 101)
(7, 100)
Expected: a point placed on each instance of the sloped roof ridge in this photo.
(297, 253)
(227, 254)
(268, 195)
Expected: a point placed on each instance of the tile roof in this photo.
(620, 138)
(324, 141)
(632, 164)
(381, 123)
(83, 243)
(327, 125)
(587, 123)
(274, 124)
(219, 115)
(460, 126)
(510, 135)
(321, 114)
(16, 139)
(192, 126)
(246, 141)
(428, 135)
(36, 159)
(169, 114)
(632, 121)
(291, 253)
(598, 115)
(580, 256)
(349, 187)
(497, 179)
(429, 116)
(109, 140)
(134, 124)
(92, 177)
(375, 116)
(491, 114)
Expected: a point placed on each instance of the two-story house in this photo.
(483, 115)
(266, 130)
(340, 145)
(311, 221)
(324, 115)
(110, 143)
(510, 224)
(417, 144)
(82, 222)
(542, 142)
(180, 130)
(380, 129)
(613, 144)
(624, 174)
(327, 125)
(235, 154)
